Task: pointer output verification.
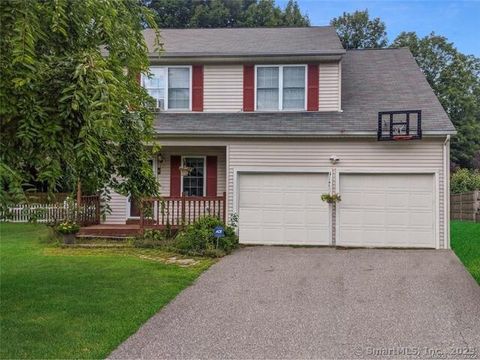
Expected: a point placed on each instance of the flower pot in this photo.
(69, 239)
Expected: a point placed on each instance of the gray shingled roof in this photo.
(247, 41)
(372, 81)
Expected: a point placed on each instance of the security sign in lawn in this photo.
(218, 232)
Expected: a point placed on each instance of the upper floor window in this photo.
(170, 87)
(281, 87)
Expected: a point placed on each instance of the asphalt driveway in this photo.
(283, 302)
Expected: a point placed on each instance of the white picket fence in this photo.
(43, 213)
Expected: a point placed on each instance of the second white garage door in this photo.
(392, 210)
(283, 209)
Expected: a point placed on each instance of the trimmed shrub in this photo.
(464, 180)
(198, 239)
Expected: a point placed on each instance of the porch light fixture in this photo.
(160, 158)
(334, 159)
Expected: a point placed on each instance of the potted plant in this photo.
(331, 198)
(184, 170)
(68, 231)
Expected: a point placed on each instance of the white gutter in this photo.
(446, 191)
(290, 134)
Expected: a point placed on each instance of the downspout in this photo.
(446, 192)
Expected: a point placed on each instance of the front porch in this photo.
(192, 185)
(162, 213)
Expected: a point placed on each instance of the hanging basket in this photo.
(331, 198)
(184, 170)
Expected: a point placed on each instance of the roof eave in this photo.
(244, 58)
(340, 134)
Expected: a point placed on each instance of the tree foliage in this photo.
(455, 79)
(225, 13)
(71, 106)
(464, 180)
(357, 31)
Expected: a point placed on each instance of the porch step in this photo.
(110, 231)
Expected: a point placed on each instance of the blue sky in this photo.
(459, 21)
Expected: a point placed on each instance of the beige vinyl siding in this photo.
(329, 87)
(164, 168)
(425, 155)
(118, 206)
(223, 88)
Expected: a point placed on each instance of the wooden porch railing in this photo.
(89, 210)
(177, 211)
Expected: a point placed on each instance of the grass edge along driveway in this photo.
(465, 242)
(75, 303)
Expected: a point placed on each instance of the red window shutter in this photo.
(211, 176)
(197, 88)
(175, 177)
(312, 95)
(248, 87)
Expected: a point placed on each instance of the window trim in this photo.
(189, 67)
(280, 86)
(204, 172)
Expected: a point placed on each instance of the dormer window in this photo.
(170, 86)
(280, 87)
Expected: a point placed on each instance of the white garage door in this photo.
(396, 210)
(283, 209)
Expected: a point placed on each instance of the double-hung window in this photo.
(170, 87)
(280, 87)
(193, 184)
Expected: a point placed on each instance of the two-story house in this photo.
(276, 117)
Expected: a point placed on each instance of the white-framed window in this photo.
(280, 87)
(170, 86)
(194, 183)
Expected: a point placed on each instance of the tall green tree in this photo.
(71, 106)
(455, 79)
(225, 13)
(263, 13)
(292, 16)
(357, 31)
(175, 14)
(212, 15)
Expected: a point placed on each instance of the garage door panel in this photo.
(373, 217)
(421, 219)
(420, 200)
(386, 210)
(313, 217)
(397, 218)
(287, 208)
(250, 198)
(353, 217)
(397, 200)
(270, 217)
(271, 198)
(252, 216)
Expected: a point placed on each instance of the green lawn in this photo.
(465, 241)
(77, 303)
